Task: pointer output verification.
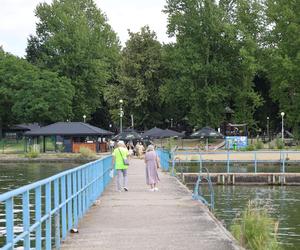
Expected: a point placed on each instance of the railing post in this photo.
(283, 162)
(228, 163)
(38, 215)
(255, 162)
(64, 208)
(57, 214)
(173, 166)
(200, 163)
(75, 200)
(48, 212)
(26, 219)
(9, 214)
(80, 194)
(69, 194)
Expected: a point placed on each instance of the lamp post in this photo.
(121, 114)
(282, 127)
(268, 128)
(84, 116)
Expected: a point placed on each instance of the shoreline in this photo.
(47, 157)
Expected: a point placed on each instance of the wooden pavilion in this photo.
(69, 137)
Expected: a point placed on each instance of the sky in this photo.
(17, 20)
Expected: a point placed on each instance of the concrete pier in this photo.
(140, 219)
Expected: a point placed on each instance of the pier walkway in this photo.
(140, 219)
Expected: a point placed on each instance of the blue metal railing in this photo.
(59, 201)
(283, 158)
(164, 156)
(198, 190)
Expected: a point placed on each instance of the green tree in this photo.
(6, 93)
(284, 54)
(74, 39)
(139, 80)
(29, 94)
(212, 64)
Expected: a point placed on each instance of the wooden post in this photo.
(44, 144)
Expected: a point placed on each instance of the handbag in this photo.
(125, 161)
(111, 173)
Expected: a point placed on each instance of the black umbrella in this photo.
(127, 136)
(153, 132)
(169, 133)
(206, 132)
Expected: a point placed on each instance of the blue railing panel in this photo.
(59, 201)
(164, 157)
(48, 211)
(9, 216)
(38, 215)
(26, 220)
(64, 208)
(57, 214)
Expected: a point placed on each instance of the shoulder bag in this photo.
(125, 161)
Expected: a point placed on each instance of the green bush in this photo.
(60, 148)
(32, 154)
(250, 147)
(170, 144)
(86, 153)
(279, 143)
(259, 145)
(256, 230)
(34, 151)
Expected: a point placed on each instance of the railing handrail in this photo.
(67, 197)
(200, 197)
(237, 152)
(36, 184)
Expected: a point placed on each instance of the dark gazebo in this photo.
(153, 133)
(17, 131)
(70, 136)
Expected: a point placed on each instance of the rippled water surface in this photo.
(13, 176)
(282, 202)
(16, 175)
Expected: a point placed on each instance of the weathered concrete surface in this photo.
(139, 219)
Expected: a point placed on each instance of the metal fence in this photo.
(12, 146)
(53, 206)
(229, 158)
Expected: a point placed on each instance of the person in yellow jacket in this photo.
(119, 154)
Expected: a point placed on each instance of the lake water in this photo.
(13, 176)
(282, 203)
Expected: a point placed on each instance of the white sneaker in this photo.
(155, 189)
(151, 189)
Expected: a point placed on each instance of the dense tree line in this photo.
(244, 54)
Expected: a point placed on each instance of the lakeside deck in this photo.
(139, 219)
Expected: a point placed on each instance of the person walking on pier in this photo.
(120, 156)
(152, 164)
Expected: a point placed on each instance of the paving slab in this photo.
(140, 219)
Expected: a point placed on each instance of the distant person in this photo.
(139, 149)
(111, 145)
(119, 154)
(152, 164)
